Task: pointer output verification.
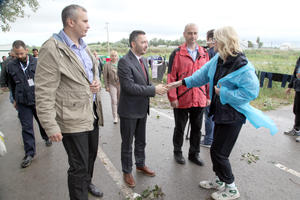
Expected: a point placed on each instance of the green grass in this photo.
(272, 98)
(277, 61)
(273, 60)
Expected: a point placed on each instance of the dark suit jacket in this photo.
(135, 88)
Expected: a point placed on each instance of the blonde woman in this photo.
(233, 84)
(112, 84)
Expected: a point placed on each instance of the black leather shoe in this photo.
(179, 158)
(26, 161)
(95, 191)
(195, 158)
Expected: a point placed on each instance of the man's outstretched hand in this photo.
(161, 89)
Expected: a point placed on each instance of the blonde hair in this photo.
(228, 42)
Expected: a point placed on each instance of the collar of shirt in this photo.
(115, 64)
(81, 54)
(193, 53)
(70, 43)
(137, 57)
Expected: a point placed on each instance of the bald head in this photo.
(190, 35)
(190, 25)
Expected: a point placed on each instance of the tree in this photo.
(257, 40)
(10, 10)
(259, 43)
(250, 44)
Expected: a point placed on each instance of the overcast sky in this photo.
(273, 21)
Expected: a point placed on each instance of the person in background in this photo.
(112, 84)
(68, 99)
(100, 66)
(187, 103)
(233, 84)
(4, 75)
(209, 124)
(3, 58)
(4, 70)
(210, 43)
(35, 53)
(295, 83)
(21, 82)
(134, 105)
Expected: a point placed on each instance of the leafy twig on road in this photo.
(250, 157)
(151, 194)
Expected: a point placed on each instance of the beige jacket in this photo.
(110, 75)
(64, 101)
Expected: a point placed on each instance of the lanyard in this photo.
(24, 68)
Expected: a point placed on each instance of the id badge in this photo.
(30, 82)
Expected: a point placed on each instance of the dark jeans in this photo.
(26, 114)
(296, 110)
(195, 115)
(225, 136)
(130, 128)
(209, 127)
(82, 151)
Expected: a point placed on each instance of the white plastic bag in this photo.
(2, 145)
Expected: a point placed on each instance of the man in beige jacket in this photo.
(67, 99)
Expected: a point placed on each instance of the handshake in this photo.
(163, 88)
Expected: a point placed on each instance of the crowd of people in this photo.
(60, 87)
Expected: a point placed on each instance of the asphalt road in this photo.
(275, 176)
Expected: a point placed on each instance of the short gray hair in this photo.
(70, 12)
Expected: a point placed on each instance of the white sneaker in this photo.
(213, 184)
(227, 194)
(298, 139)
(292, 132)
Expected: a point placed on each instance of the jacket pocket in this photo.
(72, 110)
(77, 112)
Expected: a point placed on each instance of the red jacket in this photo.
(181, 65)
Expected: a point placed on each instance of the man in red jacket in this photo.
(183, 62)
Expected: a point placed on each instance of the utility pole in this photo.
(108, 48)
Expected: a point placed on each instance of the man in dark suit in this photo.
(134, 105)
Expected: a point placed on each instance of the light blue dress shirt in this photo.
(193, 53)
(81, 54)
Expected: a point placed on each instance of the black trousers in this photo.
(82, 151)
(225, 136)
(181, 115)
(130, 128)
(26, 114)
(296, 110)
